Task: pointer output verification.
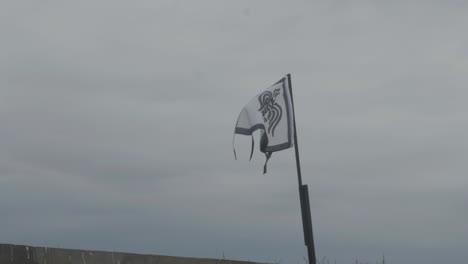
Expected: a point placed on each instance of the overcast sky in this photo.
(117, 120)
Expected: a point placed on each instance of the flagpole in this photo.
(303, 193)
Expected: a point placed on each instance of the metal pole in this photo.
(303, 193)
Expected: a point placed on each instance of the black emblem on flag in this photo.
(271, 111)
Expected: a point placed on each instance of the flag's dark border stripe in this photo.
(249, 131)
(278, 147)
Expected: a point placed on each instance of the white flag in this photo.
(271, 112)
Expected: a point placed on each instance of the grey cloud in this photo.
(117, 122)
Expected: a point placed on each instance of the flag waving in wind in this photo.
(272, 113)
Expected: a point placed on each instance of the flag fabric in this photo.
(272, 113)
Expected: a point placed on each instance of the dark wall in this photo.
(17, 254)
